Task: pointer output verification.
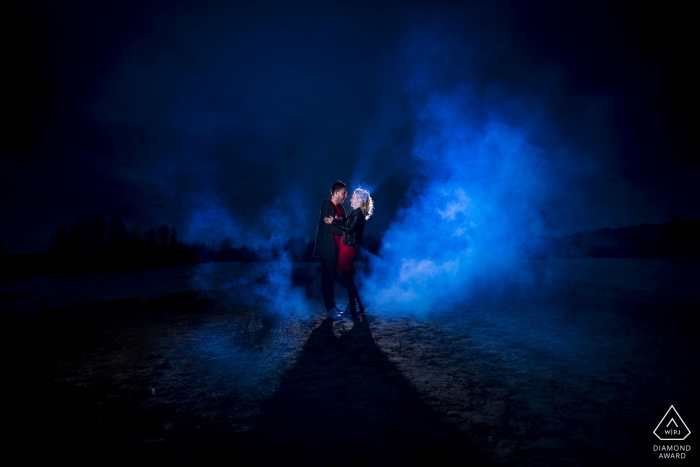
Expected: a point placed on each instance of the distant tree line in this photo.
(100, 243)
(297, 250)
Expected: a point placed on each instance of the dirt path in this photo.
(561, 378)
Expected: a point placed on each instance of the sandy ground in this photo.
(555, 378)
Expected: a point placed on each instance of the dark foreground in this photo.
(561, 379)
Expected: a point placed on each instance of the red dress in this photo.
(346, 254)
(346, 257)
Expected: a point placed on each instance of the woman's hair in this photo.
(367, 205)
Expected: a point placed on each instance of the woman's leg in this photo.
(344, 280)
(357, 297)
(349, 277)
(346, 260)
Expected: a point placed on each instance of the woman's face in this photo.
(355, 201)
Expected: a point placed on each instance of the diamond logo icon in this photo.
(671, 427)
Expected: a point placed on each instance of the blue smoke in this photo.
(488, 169)
(210, 221)
(268, 283)
(491, 174)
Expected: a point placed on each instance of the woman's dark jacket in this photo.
(324, 245)
(353, 227)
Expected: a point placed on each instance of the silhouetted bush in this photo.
(251, 324)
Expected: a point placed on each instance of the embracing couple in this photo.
(337, 238)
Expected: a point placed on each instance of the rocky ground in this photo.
(553, 379)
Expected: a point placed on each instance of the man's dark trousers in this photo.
(328, 277)
(325, 247)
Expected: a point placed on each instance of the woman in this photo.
(353, 228)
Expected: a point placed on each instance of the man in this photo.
(328, 238)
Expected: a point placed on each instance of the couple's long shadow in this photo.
(345, 402)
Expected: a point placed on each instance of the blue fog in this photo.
(492, 178)
(211, 222)
(489, 173)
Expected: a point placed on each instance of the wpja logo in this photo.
(672, 428)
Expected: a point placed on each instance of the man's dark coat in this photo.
(325, 246)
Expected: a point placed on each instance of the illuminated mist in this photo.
(491, 168)
(268, 283)
(493, 178)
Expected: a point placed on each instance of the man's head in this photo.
(338, 192)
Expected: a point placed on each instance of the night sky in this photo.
(233, 119)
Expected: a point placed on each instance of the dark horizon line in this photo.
(215, 246)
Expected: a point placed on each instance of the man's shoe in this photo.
(333, 313)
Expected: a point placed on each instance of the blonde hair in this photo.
(367, 205)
